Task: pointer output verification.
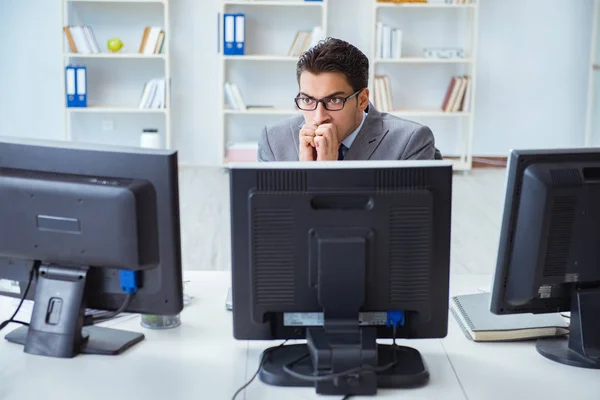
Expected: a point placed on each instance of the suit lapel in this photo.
(369, 137)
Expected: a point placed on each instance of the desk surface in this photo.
(201, 360)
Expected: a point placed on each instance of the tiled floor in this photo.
(478, 198)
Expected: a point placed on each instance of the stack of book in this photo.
(389, 42)
(152, 40)
(153, 95)
(458, 95)
(233, 97)
(81, 39)
(383, 94)
(479, 324)
(304, 40)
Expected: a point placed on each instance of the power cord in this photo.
(265, 357)
(23, 297)
(129, 281)
(129, 284)
(105, 316)
(288, 368)
(394, 318)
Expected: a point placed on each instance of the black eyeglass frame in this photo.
(317, 101)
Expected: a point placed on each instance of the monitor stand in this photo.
(341, 344)
(56, 327)
(582, 348)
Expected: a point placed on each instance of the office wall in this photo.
(532, 73)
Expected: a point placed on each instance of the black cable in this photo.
(260, 365)
(112, 314)
(102, 317)
(12, 319)
(352, 371)
(346, 397)
(329, 377)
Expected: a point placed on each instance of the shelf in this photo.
(423, 5)
(116, 55)
(293, 3)
(428, 113)
(423, 60)
(261, 58)
(120, 110)
(262, 111)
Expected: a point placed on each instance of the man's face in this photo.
(333, 85)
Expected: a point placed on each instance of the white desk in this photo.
(200, 360)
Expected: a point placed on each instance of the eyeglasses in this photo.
(330, 103)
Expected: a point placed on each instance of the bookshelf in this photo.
(417, 84)
(592, 128)
(265, 76)
(116, 81)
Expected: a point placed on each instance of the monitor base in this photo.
(582, 348)
(96, 340)
(557, 349)
(410, 370)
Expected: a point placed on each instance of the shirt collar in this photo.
(350, 138)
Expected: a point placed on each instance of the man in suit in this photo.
(337, 121)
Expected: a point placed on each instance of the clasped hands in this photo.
(318, 142)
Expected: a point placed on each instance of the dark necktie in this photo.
(342, 152)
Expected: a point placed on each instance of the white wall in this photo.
(30, 69)
(532, 74)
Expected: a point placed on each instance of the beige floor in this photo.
(478, 199)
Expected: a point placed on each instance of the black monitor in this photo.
(549, 251)
(341, 254)
(88, 226)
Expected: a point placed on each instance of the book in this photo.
(472, 312)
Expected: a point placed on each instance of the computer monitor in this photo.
(89, 226)
(341, 254)
(549, 250)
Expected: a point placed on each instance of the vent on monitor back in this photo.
(409, 255)
(281, 181)
(559, 236)
(400, 178)
(273, 256)
(565, 177)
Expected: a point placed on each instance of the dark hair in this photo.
(336, 55)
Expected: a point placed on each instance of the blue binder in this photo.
(76, 86)
(81, 85)
(70, 86)
(234, 34)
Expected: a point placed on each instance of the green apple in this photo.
(114, 45)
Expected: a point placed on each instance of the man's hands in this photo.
(308, 152)
(319, 143)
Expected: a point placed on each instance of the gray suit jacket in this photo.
(382, 137)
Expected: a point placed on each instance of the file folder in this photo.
(240, 34)
(70, 86)
(234, 32)
(81, 86)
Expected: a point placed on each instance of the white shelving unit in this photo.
(388, 11)
(591, 130)
(69, 12)
(261, 60)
